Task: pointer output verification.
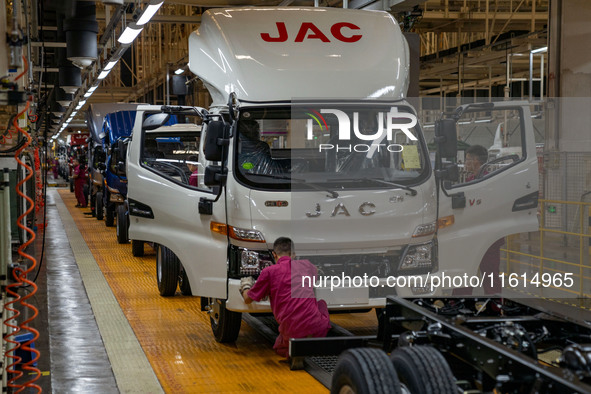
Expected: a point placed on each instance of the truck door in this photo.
(163, 165)
(497, 192)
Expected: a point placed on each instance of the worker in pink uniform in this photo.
(79, 176)
(295, 307)
(55, 168)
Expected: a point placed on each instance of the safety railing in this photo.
(557, 248)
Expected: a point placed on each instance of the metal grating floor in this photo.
(176, 336)
(327, 363)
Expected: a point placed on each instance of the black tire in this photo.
(99, 206)
(424, 370)
(184, 285)
(225, 324)
(137, 248)
(365, 371)
(122, 227)
(92, 204)
(71, 185)
(167, 271)
(110, 215)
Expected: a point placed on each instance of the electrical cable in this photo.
(44, 177)
(22, 274)
(14, 148)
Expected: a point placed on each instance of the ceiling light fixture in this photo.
(540, 50)
(149, 12)
(130, 33)
(103, 74)
(110, 65)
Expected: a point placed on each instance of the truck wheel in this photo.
(99, 206)
(424, 370)
(225, 324)
(364, 370)
(184, 285)
(137, 248)
(71, 185)
(167, 271)
(93, 204)
(122, 233)
(109, 215)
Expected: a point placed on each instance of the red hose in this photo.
(8, 136)
(39, 203)
(25, 70)
(13, 374)
(22, 275)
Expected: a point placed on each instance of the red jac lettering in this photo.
(336, 32)
(309, 31)
(282, 34)
(317, 34)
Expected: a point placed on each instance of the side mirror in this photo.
(216, 138)
(450, 173)
(154, 121)
(214, 175)
(446, 138)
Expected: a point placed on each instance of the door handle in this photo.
(458, 200)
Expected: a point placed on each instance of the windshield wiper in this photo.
(331, 194)
(412, 191)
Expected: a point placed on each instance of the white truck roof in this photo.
(285, 53)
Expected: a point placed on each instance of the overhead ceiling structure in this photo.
(480, 44)
(84, 52)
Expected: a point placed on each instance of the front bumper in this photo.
(337, 298)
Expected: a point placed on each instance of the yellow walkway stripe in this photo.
(131, 368)
(176, 336)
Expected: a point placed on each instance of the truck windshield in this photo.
(344, 146)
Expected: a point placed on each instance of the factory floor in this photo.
(105, 329)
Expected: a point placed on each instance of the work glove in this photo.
(245, 284)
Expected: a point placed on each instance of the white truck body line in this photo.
(230, 54)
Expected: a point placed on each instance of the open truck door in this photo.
(164, 204)
(478, 207)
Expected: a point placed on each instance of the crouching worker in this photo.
(294, 306)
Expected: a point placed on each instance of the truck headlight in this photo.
(425, 229)
(245, 234)
(252, 262)
(419, 259)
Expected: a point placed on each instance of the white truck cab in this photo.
(310, 136)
